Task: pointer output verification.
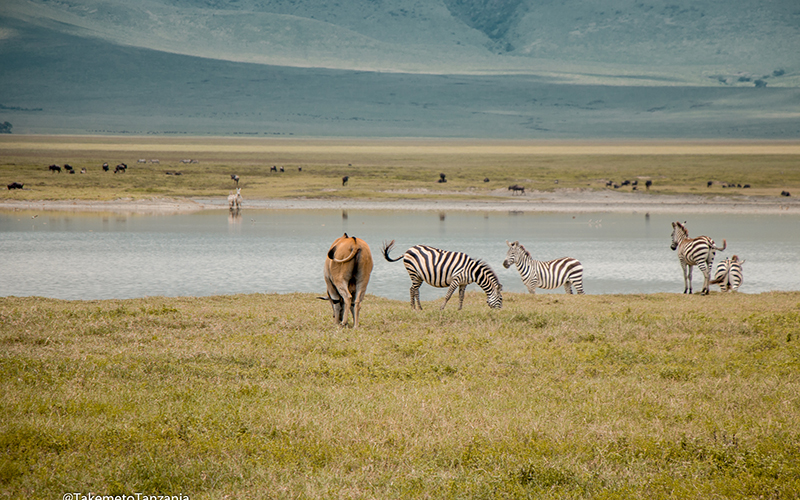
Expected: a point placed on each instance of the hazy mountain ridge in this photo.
(712, 42)
(59, 83)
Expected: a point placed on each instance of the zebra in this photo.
(442, 268)
(698, 252)
(235, 200)
(729, 274)
(547, 275)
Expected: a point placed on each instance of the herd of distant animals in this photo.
(348, 266)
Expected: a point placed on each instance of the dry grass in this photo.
(383, 169)
(635, 396)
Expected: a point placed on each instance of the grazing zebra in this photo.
(729, 274)
(548, 275)
(441, 269)
(698, 252)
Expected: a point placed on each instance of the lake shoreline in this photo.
(560, 201)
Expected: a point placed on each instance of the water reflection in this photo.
(91, 256)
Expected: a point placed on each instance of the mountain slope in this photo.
(707, 42)
(59, 83)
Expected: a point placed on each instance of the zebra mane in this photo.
(482, 263)
(525, 250)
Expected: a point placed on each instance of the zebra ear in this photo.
(507, 243)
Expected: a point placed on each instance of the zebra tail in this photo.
(724, 245)
(387, 247)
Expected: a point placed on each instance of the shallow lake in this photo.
(100, 256)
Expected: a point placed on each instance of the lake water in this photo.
(100, 256)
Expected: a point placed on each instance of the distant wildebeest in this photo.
(105, 167)
(648, 184)
(516, 188)
(235, 178)
(345, 179)
(347, 270)
(635, 183)
(485, 179)
(273, 168)
(15, 185)
(299, 169)
(785, 193)
(55, 168)
(281, 169)
(67, 166)
(442, 178)
(609, 183)
(121, 168)
(746, 186)
(625, 183)
(709, 183)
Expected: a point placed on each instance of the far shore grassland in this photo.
(262, 396)
(387, 170)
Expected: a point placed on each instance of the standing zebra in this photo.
(729, 274)
(548, 275)
(441, 268)
(698, 252)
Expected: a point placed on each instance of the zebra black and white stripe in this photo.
(698, 252)
(551, 274)
(729, 275)
(442, 268)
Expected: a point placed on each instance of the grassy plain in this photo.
(253, 396)
(384, 169)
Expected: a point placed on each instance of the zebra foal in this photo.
(548, 275)
(698, 252)
(442, 268)
(729, 275)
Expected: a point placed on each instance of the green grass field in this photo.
(262, 396)
(384, 170)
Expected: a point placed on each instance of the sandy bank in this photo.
(566, 201)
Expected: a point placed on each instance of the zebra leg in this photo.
(415, 296)
(579, 285)
(706, 278)
(568, 287)
(449, 293)
(461, 290)
(687, 284)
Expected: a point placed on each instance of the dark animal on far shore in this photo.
(15, 185)
(105, 167)
(282, 170)
(785, 193)
(67, 167)
(121, 168)
(485, 179)
(442, 178)
(235, 178)
(55, 168)
(709, 183)
(648, 184)
(273, 168)
(345, 179)
(516, 188)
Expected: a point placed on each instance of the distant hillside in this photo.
(53, 82)
(699, 42)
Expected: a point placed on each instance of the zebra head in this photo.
(513, 255)
(490, 284)
(679, 233)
